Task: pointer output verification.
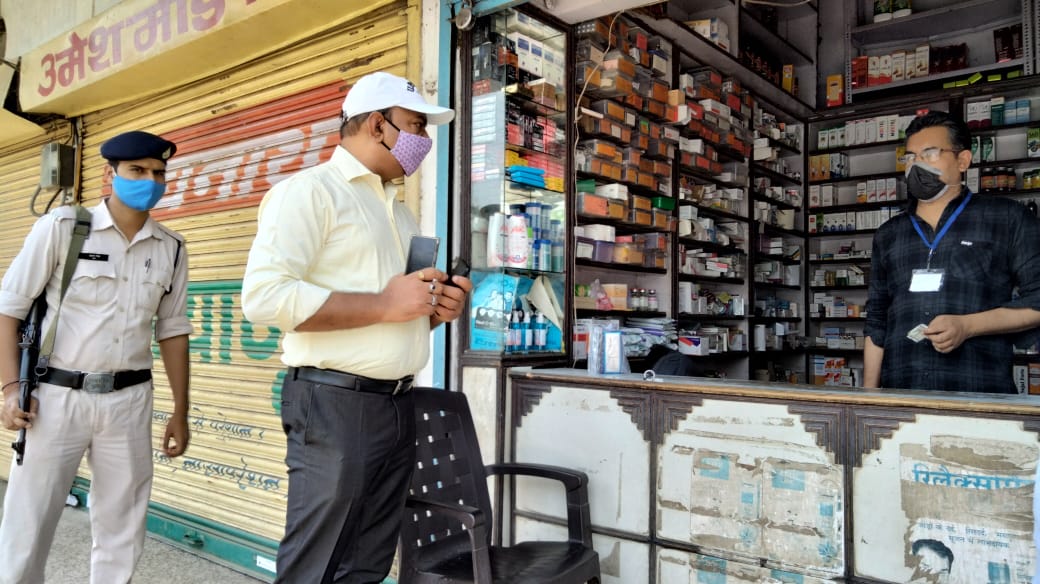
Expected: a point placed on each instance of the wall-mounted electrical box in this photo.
(56, 166)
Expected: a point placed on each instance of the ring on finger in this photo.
(432, 286)
(433, 301)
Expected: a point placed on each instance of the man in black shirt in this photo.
(942, 307)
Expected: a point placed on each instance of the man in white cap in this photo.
(327, 267)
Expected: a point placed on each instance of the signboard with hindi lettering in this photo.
(139, 47)
(962, 513)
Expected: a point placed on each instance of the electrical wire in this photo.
(47, 209)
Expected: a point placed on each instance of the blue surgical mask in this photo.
(140, 195)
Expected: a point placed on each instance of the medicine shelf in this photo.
(860, 148)
(839, 288)
(710, 211)
(711, 246)
(943, 19)
(709, 279)
(858, 178)
(771, 40)
(835, 261)
(760, 170)
(594, 313)
(787, 261)
(688, 316)
(857, 207)
(624, 226)
(784, 146)
(619, 267)
(776, 230)
(776, 286)
(779, 204)
(935, 77)
(773, 319)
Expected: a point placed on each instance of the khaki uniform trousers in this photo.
(114, 429)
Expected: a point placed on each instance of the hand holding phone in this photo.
(459, 267)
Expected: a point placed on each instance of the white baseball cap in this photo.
(379, 91)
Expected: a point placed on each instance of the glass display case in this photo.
(516, 158)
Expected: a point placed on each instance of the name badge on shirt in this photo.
(927, 280)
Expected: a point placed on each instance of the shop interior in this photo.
(706, 175)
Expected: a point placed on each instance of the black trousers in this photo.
(350, 456)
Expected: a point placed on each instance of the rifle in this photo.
(27, 378)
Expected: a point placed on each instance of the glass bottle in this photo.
(652, 300)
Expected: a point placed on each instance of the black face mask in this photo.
(924, 183)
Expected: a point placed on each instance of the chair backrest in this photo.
(448, 468)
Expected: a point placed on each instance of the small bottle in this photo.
(1001, 181)
(528, 343)
(633, 299)
(652, 300)
(513, 334)
(541, 332)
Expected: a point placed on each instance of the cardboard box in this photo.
(898, 65)
(885, 69)
(1034, 378)
(835, 90)
(910, 66)
(921, 61)
(873, 70)
(787, 81)
(892, 188)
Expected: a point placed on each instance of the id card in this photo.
(927, 280)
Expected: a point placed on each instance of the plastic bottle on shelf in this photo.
(513, 335)
(541, 331)
(527, 343)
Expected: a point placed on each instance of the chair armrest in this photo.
(576, 483)
(471, 517)
(571, 479)
(474, 520)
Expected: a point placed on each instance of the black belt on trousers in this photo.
(350, 381)
(95, 382)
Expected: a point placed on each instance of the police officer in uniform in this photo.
(96, 395)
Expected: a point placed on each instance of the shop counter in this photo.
(696, 480)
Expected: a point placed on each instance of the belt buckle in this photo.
(99, 382)
(402, 386)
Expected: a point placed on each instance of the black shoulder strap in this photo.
(176, 258)
(80, 233)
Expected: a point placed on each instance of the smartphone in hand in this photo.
(459, 267)
(422, 253)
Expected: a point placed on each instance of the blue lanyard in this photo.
(935, 243)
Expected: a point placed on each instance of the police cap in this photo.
(137, 145)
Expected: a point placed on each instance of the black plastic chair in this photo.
(446, 532)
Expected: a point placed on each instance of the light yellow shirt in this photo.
(334, 227)
(115, 292)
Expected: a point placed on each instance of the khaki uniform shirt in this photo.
(117, 290)
(334, 227)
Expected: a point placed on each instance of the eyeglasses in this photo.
(929, 155)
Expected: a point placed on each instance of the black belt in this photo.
(350, 381)
(95, 382)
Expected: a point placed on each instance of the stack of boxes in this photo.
(825, 305)
(834, 371)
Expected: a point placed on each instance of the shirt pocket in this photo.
(155, 281)
(978, 262)
(93, 283)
